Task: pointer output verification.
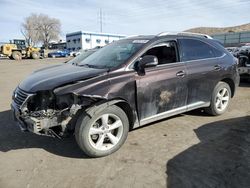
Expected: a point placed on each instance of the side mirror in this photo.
(148, 61)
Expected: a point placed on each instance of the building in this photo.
(87, 40)
(60, 45)
(233, 38)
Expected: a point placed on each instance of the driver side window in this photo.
(165, 52)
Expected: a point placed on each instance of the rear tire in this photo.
(220, 99)
(35, 55)
(103, 133)
(16, 55)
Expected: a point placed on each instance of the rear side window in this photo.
(195, 49)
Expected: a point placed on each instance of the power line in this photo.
(100, 20)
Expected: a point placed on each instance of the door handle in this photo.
(217, 67)
(180, 74)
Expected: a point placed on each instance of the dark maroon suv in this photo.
(127, 84)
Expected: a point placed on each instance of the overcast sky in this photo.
(125, 16)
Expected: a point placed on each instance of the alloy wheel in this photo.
(105, 132)
(222, 99)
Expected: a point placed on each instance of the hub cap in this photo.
(105, 132)
(222, 99)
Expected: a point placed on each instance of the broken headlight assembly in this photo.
(46, 113)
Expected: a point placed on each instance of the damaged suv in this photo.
(127, 84)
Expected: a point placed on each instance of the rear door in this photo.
(203, 66)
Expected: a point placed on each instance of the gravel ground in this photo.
(188, 150)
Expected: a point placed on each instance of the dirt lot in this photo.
(189, 150)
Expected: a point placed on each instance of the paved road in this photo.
(188, 150)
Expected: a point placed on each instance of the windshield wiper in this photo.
(91, 66)
(85, 65)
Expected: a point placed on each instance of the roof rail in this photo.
(166, 33)
(185, 34)
(131, 36)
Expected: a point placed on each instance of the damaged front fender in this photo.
(97, 87)
(115, 87)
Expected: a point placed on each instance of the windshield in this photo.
(113, 55)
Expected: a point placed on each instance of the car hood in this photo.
(54, 76)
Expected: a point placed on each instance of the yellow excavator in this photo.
(17, 50)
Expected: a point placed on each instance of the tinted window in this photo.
(195, 49)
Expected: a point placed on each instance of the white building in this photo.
(87, 40)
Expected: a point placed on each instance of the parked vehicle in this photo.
(18, 49)
(85, 53)
(1, 55)
(244, 49)
(77, 53)
(71, 53)
(127, 84)
(59, 53)
(233, 50)
(244, 62)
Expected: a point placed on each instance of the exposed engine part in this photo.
(73, 110)
(45, 113)
(36, 125)
(49, 113)
(43, 100)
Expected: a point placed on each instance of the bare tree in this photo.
(41, 28)
(30, 31)
(49, 29)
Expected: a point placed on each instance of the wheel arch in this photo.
(128, 110)
(231, 84)
(121, 103)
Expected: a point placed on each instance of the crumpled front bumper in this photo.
(25, 125)
(32, 124)
(16, 116)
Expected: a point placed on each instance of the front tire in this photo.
(103, 133)
(16, 55)
(220, 99)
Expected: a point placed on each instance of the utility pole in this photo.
(100, 20)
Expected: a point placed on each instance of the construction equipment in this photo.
(17, 50)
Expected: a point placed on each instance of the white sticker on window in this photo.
(140, 41)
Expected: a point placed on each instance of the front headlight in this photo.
(14, 95)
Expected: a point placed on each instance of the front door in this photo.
(162, 91)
